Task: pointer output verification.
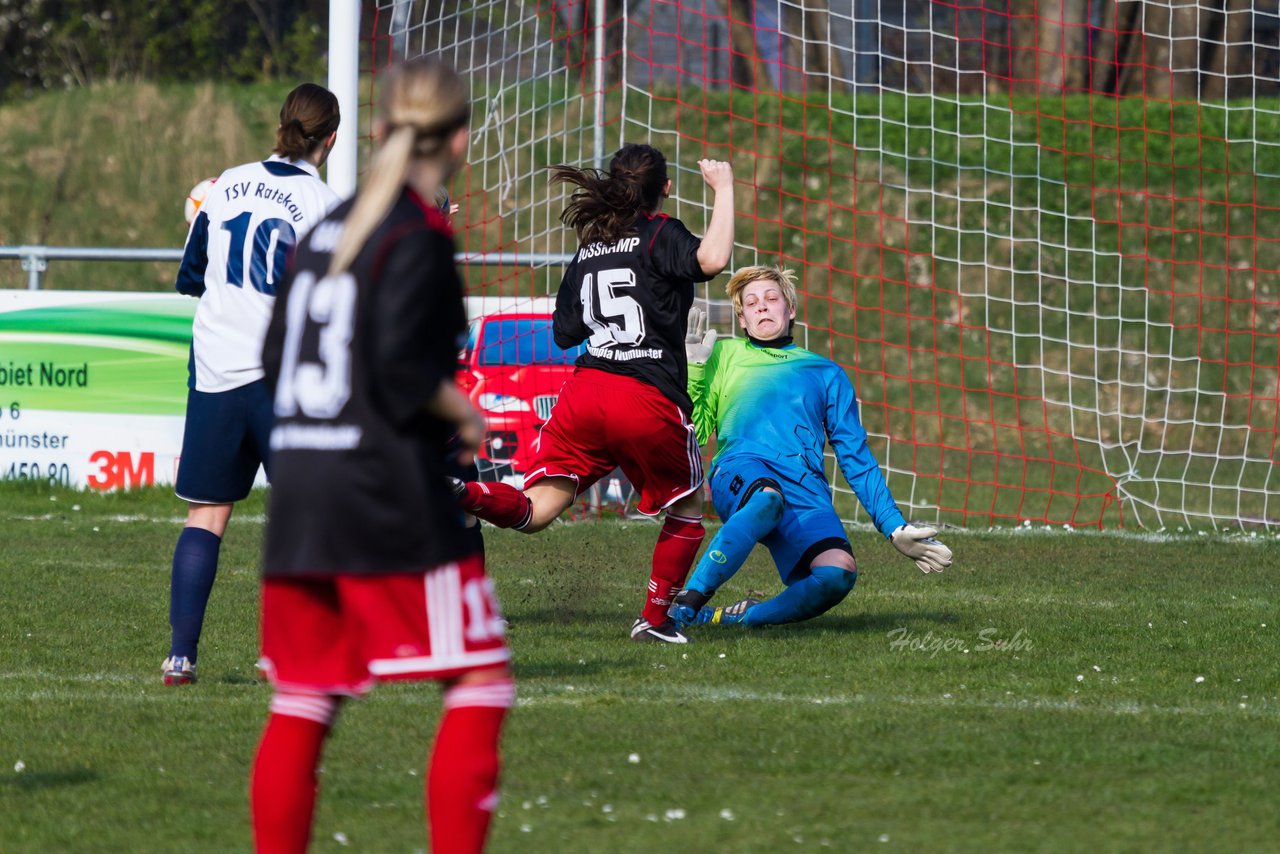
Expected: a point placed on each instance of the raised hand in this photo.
(700, 338)
(717, 173)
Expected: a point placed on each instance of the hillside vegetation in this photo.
(112, 165)
(869, 186)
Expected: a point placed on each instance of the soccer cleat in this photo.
(642, 631)
(728, 615)
(685, 606)
(458, 487)
(178, 670)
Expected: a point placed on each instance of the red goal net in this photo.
(1043, 238)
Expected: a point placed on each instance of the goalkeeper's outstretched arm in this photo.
(849, 438)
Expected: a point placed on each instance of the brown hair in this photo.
(424, 102)
(783, 278)
(606, 205)
(308, 116)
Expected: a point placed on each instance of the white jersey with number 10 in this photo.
(235, 256)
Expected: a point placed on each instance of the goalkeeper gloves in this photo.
(700, 339)
(919, 545)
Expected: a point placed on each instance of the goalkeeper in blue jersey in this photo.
(772, 407)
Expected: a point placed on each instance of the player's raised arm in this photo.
(699, 348)
(717, 243)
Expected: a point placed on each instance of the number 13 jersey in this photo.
(629, 301)
(357, 462)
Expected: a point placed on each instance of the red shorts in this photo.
(339, 635)
(604, 421)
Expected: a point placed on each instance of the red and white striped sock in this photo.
(499, 504)
(677, 546)
(462, 779)
(282, 788)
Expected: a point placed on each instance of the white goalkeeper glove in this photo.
(919, 545)
(700, 338)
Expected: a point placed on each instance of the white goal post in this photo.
(344, 82)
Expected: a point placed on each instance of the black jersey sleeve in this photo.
(674, 250)
(417, 315)
(567, 324)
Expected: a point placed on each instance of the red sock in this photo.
(499, 504)
(282, 789)
(462, 779)
(673, 555)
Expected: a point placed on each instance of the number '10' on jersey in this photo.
(235, 258)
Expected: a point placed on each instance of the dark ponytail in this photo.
(606, 205)
(308, 116)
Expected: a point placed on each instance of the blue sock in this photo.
(812, 595)
(734, 541)
(195, 563)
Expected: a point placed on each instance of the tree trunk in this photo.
(1022, 41)
(269, 23)
(997, 56)
(1190, 25)
(615, 51)
(575, 17)
(1156, 57)
(1129, 49)
(1213, 53)
(1062, 41)
(745, 68)
(822, 58)
(1102, 65)
(1242, 51)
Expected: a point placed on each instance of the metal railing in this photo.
(35, 259)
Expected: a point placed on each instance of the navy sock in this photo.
(734, 541)
(195, 563)
(816, 593)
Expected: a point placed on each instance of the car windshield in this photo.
(523, 342)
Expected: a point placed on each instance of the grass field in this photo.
(1133, 706)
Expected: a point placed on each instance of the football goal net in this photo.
(1043, 238)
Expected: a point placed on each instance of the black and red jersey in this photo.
(358, 469)
(629, 301)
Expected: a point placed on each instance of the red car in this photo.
(512, 370)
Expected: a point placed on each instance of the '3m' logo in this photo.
(117, 470)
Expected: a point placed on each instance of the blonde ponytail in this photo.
(379, 193)
(424, 102)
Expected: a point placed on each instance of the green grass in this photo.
(1096, 736)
